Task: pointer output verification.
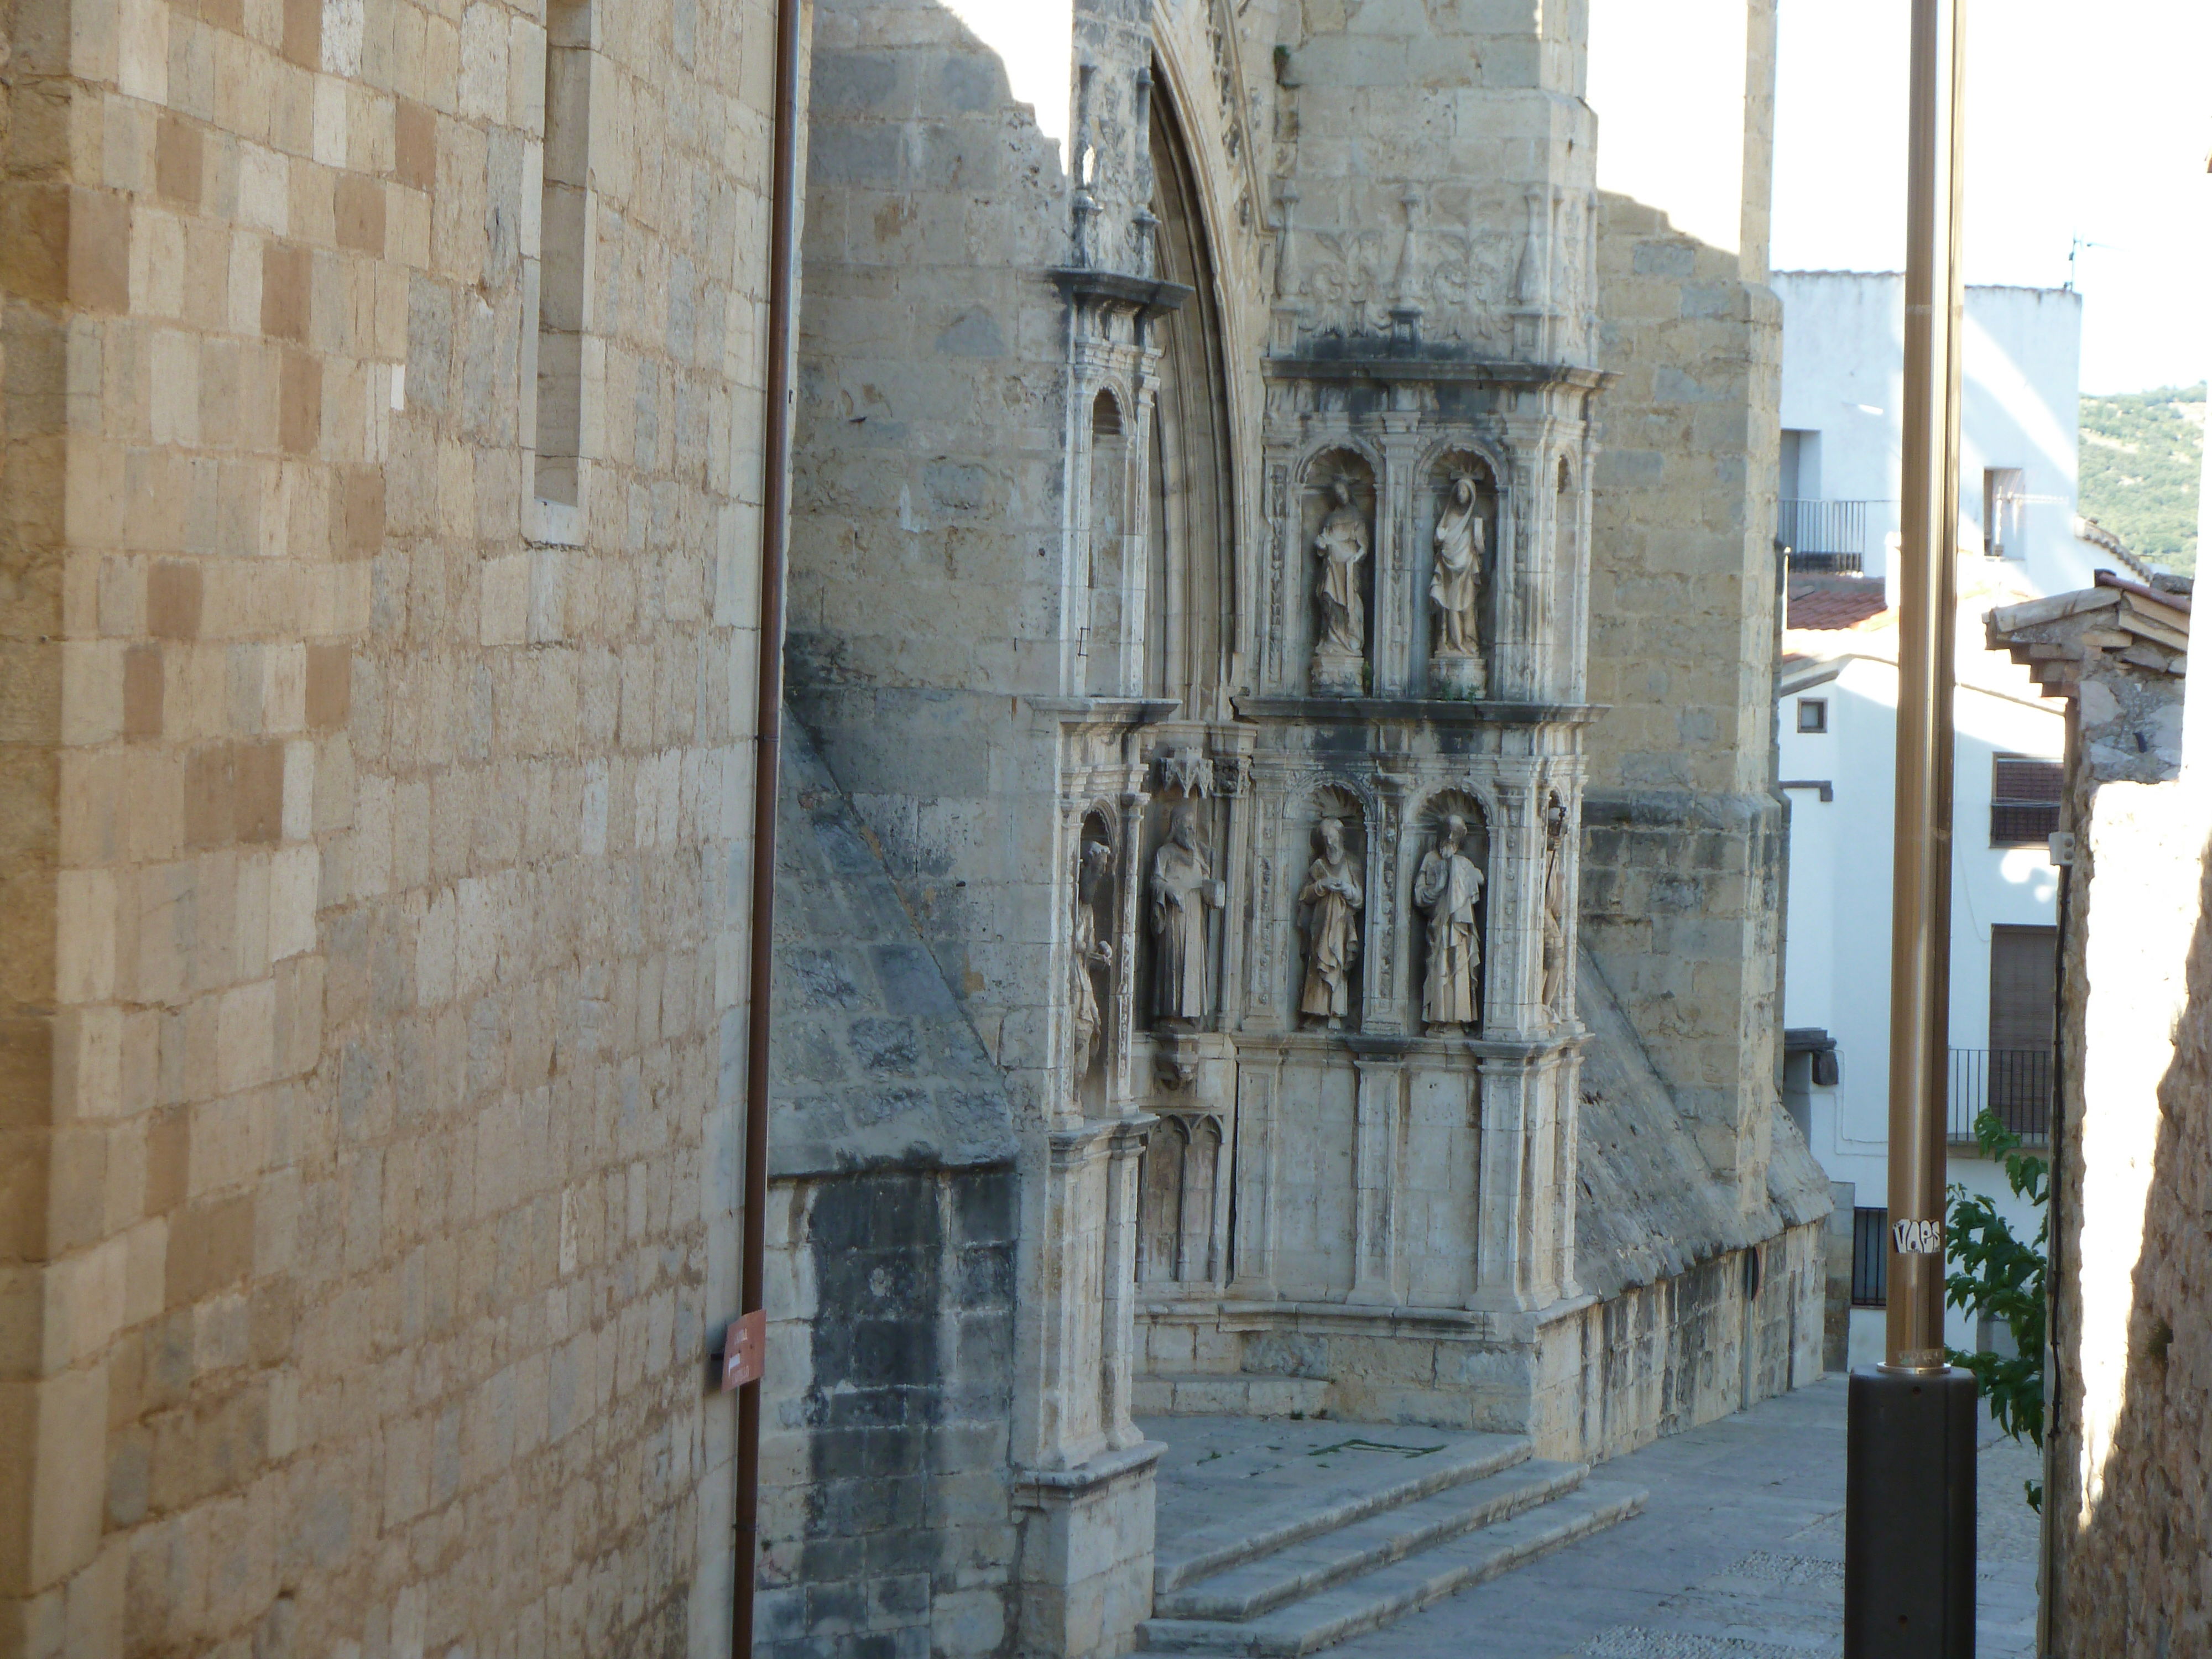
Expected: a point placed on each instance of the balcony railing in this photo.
(1824, 538)
(2016, 1083)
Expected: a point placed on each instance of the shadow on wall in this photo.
(2133, 1578)
(1684, 836)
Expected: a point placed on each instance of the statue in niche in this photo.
(1342, 547)
(1088, 952)
(1555, 905)
(1455, 589)
(1332, 892)
(1447, 887)
(1183, 889)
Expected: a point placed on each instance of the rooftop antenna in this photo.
(2074, 254)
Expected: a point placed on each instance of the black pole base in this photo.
(1909, 1523)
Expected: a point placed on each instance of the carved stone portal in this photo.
(1447, 887)
(1183, 889)
(1456, 668)
(1340, 642)
(1333, 900)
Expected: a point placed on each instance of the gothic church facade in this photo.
(1278, 899)
(1197, 528)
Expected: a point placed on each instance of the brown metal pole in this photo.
(1909, 1486)
(1920, 926)
(768, 746)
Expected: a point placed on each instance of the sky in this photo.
(2083, 119)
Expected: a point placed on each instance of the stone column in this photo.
(1385, 941)
(1376, 1179)
(1254, 1244)
(1084, 1502)
(1400, 599)
(1117, 1338)
(1130, 893)
(1524, 565)
(1515, 1262)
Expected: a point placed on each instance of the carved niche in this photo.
(1176, 1181)
(1556, 829)
(1091, 950)
(1448, 893)
(1331, 902)
(1464, 511)
(1339, 523)
(1182, 894)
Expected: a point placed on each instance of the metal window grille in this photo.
(2024, 796)
(1869, 1258)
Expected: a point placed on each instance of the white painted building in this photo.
(1843, 354)
(1842, 387)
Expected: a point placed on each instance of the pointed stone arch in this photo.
(1191, 597)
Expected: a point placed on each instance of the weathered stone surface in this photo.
(372, 886)
(383, 483)
(874, 1066)
(2126, 1470)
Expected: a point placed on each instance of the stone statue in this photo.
(1088, 952)
(1342, 547)
(1332, 891)
(1447, 887)
(1183, 888)
(1455, 589)
(1555, 905)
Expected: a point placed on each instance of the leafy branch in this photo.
(1998, 1277)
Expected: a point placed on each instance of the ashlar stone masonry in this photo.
(1279, 911)
(375, 756)
(1195, 561)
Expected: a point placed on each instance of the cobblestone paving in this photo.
(1739, 1555)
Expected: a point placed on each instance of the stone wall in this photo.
(885, 1518)
(2131, 1525)
(374, 866)
(2128, 1367)
(1683, 834)
(1688, 1309)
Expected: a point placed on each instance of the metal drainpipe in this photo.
(775, 503)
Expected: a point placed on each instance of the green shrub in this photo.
(1998, 1277)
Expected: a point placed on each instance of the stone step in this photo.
(1349, 1496)
(1201, 1395)
(1375, 1599)
(1263, 1584)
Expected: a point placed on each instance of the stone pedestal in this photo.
(1086, 1554)
(1460, 678)
(1336, 674)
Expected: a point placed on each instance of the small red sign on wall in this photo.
(743, 1345)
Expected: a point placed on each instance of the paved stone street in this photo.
(1738, 1554)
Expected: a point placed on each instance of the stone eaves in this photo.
(2059, 638)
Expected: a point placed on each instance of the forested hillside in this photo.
(2141, 456)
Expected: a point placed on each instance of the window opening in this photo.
(563, 252)
(2004, 503)
(2024, 797)
(1812, 713)
(1869, 1258)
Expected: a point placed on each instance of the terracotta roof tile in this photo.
(1826, 608)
